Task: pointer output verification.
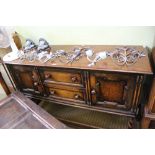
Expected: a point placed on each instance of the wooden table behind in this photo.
(17, 111)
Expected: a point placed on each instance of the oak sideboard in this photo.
(105, 87)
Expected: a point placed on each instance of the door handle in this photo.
(97, 84)
(36, 83)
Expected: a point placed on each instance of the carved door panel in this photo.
(112, 90)
(27, 79)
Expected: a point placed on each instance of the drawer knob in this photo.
(47, 76)
(76, 96)
(126, 87)
(74, 79)
(52, 92)
(93, 92)
(36, 83)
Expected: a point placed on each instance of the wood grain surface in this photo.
(141, 66)
(17, 111)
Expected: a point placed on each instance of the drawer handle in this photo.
(126, 87)
(52, 92)
(77, 96)
(36, 83)
(47, 76)
(93, 92)
(74, 79)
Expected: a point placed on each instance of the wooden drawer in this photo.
(62, 76)
(67, 93)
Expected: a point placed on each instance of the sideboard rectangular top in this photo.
(142, 66)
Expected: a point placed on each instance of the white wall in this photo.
(89, 35)
(140, 35)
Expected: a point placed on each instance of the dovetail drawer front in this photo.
(64, 94)
(63, 86)
(70, 77)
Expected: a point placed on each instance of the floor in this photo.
(82, 118)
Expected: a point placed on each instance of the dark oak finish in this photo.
(26, 79)
(71, 77)
(113, 90)
(17, 111)
(142, 66)
(104, 87)
(148, 120)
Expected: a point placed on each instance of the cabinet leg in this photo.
(130, 124)
(145, 123)
(133, 124)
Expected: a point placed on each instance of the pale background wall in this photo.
(129, 35)
(141, 35)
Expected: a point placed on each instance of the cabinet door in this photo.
(27, 79)
(112, 90)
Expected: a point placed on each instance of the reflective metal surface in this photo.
(44, 53)
(125, 55)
